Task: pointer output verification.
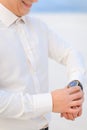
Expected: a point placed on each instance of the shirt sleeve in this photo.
(24, 106)
(67, 55)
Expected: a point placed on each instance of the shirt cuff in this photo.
(42, 103)
(80, 77)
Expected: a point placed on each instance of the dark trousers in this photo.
(45, 128)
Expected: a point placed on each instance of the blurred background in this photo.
(60, 6)
(69, 19)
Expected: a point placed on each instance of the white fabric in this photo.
(25, 44)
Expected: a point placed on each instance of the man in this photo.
(25, 44)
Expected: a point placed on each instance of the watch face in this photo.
(73, 83)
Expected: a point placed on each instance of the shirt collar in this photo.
(7, 17)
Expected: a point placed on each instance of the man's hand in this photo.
(71, 116)
(65, 99)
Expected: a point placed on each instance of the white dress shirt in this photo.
(25, 44)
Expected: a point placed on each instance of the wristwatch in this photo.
(75, 83)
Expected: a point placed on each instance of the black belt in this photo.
(44, 128)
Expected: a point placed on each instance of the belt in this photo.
(44, 128)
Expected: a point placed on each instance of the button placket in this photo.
(29, 54)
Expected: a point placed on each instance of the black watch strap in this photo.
(79, 84)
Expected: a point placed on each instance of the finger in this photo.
(79, 113)
(77, 96)
(65, 115)
(76, 103)
(68, 116)
(74, 111)
(61, 114)
(76, 114)
(74, 89)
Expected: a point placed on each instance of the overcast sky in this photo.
(60, 5)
